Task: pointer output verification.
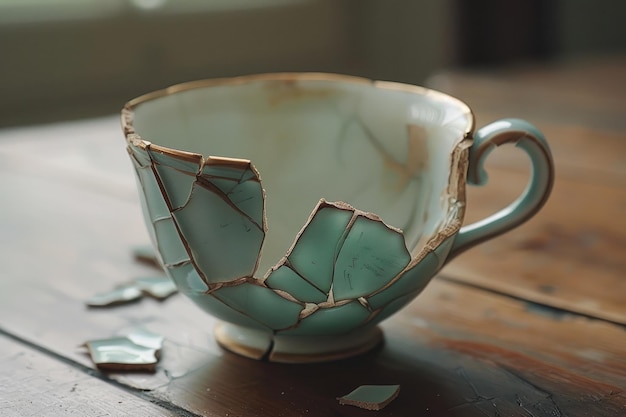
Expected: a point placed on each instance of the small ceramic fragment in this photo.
(120, 295)
(146, 254)
(122, 354)
(371, 397)
(157, 287)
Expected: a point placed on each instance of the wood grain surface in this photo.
(532, 323)
(33, 383)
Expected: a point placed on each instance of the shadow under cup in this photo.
(300, 205)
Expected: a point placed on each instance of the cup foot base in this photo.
(260, 345)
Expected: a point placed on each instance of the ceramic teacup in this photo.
(301, 210)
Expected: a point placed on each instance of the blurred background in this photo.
(67, 59)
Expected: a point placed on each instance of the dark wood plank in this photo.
(33, 384)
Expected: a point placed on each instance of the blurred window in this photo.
(29, 11)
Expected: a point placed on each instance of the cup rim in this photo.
(458, 154)
(127, 114)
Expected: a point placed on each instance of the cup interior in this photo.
(384, 148)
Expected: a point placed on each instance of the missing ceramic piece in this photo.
(120, 295)
(158, 288)
(371, 397)
(147, 255)
(139, 350)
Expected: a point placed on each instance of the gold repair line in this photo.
(177, 226)
(240, 312)
(209, 186)
(338, 248)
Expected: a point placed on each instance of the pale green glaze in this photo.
(266, 220)
(316, 262)
(285, 279)
(415, 279)
(371, 256)
(255, 301)
(332, 321)
(187, 278)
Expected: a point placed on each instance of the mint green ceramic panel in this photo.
(225, 244)
(261, 303)
(248, 175)
(168, 240)
(155, 204)
(248, 197)
(182, 165)
(371, 256)
(331, 321)
(144, 205)
(239, 186)
(315, 251)
(221, 311)
(285, 279)
(224, 184)
(177, 185)
(411, 281)
(187, 279)
(222, 171)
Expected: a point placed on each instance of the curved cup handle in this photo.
(528, 138)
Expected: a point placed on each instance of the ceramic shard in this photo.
(220, 225)
(332, 321)
(285, 279)
(146, 254)
(371, 397)
(156, 287)
(120, 295)
(411, 281)
(152, 200)
(123, 354)
(189, 164)
(239, 186)
(261, 304)
(171, 247)
(187, 278)
(372, 255)
(224, 244)
(177, 184)
(315, 251)
(139, 156)
(225, 312)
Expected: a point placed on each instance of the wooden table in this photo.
(530, 324)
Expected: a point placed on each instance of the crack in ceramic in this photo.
(318, 271)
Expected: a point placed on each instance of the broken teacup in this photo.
(259, 194)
